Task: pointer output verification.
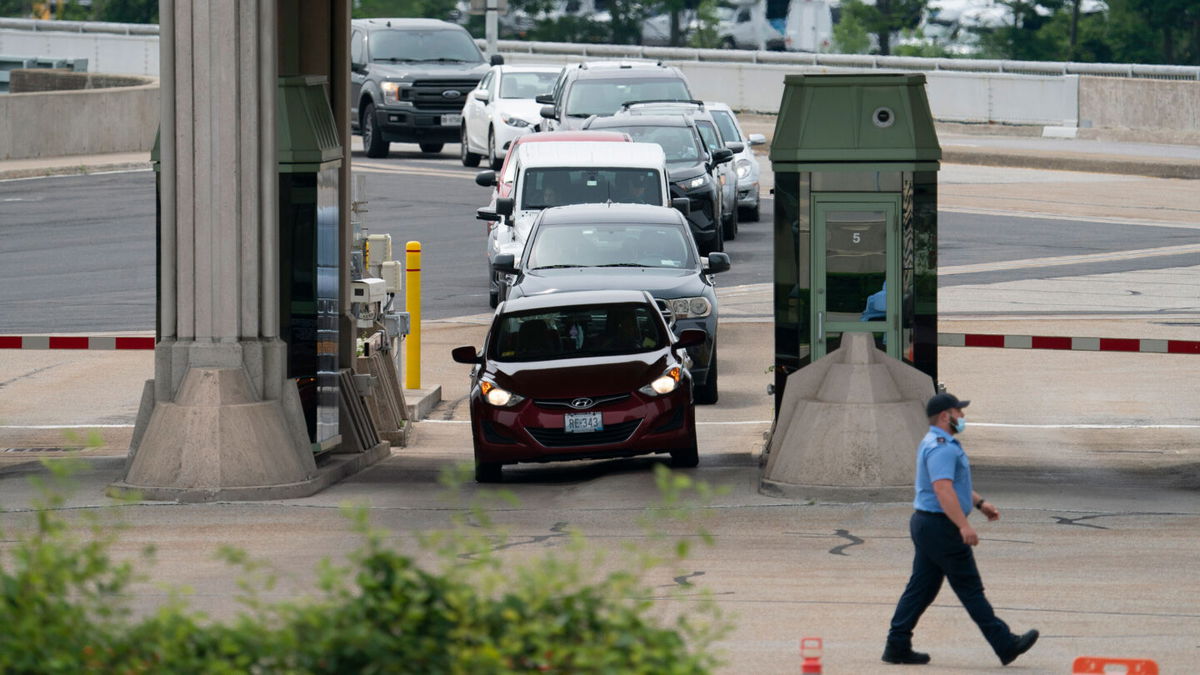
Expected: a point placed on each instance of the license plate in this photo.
(582, 423)
(451, 120)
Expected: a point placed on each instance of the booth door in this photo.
(856, 271)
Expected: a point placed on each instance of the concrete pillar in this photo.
(220, 419)
(848, 427)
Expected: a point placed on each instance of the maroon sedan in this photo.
(580, 375)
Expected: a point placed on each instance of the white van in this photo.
(792, 25)
(558, 174)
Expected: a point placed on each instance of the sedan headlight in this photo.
(513, 121)
(391, 91)
(690, 308)
(692, 183)
(743, 168)
(501, 398)
(664, 384)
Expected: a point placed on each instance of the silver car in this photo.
(745, 163)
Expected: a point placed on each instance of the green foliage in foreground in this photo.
(63, 605)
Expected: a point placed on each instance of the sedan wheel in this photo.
(685, 458)
(493, 160)
(488, 472)
(464, 153)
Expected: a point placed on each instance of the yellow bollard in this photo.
(412, 303)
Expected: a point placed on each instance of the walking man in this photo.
(943, 539)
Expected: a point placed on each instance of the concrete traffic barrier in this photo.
(848, 427)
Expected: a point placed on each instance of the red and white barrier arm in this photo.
(1082, 344)
(74, 342)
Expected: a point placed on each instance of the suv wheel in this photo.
(373, 141)
(432, 147)
(707, 392)
(751, 214)
(464, 153)
(494, 161)
(730, 226)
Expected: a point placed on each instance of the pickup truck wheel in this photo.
(464, 153)
(432, 147)
(373, 141)
(493, 160)
(493, 288)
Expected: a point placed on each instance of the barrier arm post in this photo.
(412, 303)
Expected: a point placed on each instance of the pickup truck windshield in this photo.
(424, 46)
(557, 186)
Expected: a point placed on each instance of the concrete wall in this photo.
(79, 122)
(1139, 104)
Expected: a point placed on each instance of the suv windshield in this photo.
(580, 331)
(448, 46)
(678, 143)
(618, 245)
(543, 188)
(526, 85)
(604, 97)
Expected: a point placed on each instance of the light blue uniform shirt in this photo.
(940, 456)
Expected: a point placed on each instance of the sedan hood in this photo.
(571, 378)
(660, 282)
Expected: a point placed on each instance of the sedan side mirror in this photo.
(544, 99)
(722, 156)
(465, 355)
(547, 111)
(496, 59)
(486, 178)
(736, 146)
(505, 263)
(505, 206)
(480, 95)
(690, 338)
(758, 139)
(717, 262)
(682, 205)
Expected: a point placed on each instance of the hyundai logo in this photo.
(581, 403)
(451, 94)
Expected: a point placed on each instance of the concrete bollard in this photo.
(848, 427)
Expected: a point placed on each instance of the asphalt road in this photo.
(77, 253)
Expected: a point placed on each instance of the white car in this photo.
(744, 162)
(558, 174)
(500, 109)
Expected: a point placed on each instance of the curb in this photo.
(71, 170)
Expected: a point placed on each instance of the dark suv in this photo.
(691, 168)
(600, 87)
(409, 79)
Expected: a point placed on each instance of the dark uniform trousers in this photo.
(941, 554)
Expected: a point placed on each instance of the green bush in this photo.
(62, 607)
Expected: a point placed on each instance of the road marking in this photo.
(66, 426)
(374, 168)
(1074, 219)
(1032, 263)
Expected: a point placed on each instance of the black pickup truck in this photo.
(409, 80)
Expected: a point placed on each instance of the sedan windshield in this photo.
(678, 143)
(578, 331)
(623, 245)
(526, 85)
(604, 97)
(407, 46)
(556, 186)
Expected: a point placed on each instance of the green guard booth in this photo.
(855, 160)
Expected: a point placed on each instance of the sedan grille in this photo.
(569, 403)
(557, 438)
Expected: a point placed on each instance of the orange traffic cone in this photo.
(1089, 665)
(810, 651)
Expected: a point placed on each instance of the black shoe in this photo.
(1022, 645)
(905, 656)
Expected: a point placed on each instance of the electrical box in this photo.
(379, 250)
(392, 273)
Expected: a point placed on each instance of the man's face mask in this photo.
(958, 424)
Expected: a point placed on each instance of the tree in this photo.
(125, 11)
(885, 17)
(849, 36)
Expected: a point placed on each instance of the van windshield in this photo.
(559, 186)
(410, 46)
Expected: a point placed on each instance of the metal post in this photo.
(412, 302)
(492, 26)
